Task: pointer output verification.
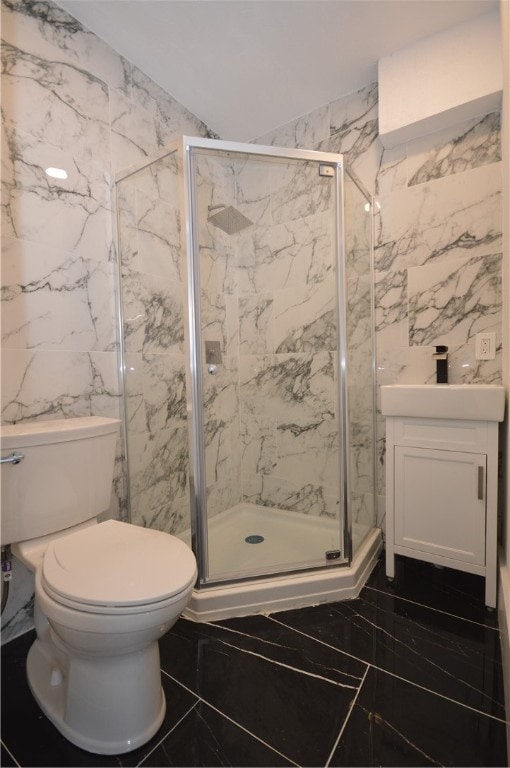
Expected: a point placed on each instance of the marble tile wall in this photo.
(437, 238)
(68, 100)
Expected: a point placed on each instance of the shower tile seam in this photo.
(230, 719)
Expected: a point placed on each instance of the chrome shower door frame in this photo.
(195, 404)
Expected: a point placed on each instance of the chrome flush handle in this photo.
(14, 458)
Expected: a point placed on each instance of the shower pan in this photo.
(247, 352)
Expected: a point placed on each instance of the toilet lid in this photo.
(118, 564)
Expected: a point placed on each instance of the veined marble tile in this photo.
(221, 425)
(440, 220)
(172, 517)
(158, 181)
(464, 368)
(350, 115)
(127, 230)
(294, 254)
(158, 467)
(256, 179)
(362, 509)
(18, 617)
(305, 318)
(303, 192)
(392, 172)
(305, 132)
(164, 390)
(360, 443)
(171, 118)
(294, 496)
(391, 315)
(50, 32)
(472, 144)
(404, 364)
(449, 303)
(358, 312)
(213, 317)
(133, 133)
(134, 401)
(258, 440)
(58, 384)
(55, 104)
(255, 324)
(153, 319)
(308, 451)
(224, 494)
(35, 207)
(159, 238)
(354, 133)
(55, 300)
(287, 387)
(217, 267)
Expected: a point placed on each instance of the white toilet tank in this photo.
(64, 478)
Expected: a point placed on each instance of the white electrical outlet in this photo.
(485, 346)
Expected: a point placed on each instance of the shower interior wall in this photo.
(268, 296)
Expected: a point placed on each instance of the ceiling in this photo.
(247, 66)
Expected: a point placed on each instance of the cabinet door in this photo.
(438, 508)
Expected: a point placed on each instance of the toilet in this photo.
(105, 592)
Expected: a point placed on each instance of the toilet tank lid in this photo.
(29, 433)
(118, 564)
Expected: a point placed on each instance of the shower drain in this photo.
(254, 539)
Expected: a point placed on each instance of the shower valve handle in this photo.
(212, 370)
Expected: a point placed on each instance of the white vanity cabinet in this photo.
(441, 490)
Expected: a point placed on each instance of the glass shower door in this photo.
(266, 327)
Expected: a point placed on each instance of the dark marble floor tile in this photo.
(394, 723)
(444, 589)
(34, 740)
(6, 758)
(207, 738)
(273, 684)
(450, 656)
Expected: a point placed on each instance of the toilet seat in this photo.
(116, 567)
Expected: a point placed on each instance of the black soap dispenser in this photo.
(441, 358)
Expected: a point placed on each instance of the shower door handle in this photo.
(212, 370)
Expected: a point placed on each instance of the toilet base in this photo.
(108, 705)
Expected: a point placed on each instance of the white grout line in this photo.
(335, 745)
(381, 669)
(10, 753)
(250, 733)
(168, 733)
(424, 605)
(442, 695)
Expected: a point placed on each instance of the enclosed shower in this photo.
(247, 352)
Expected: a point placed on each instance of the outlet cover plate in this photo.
(485, 346)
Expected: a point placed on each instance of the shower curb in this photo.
(281, 593)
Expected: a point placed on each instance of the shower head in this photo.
(229, 219)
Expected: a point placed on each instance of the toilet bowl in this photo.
(104, 594)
